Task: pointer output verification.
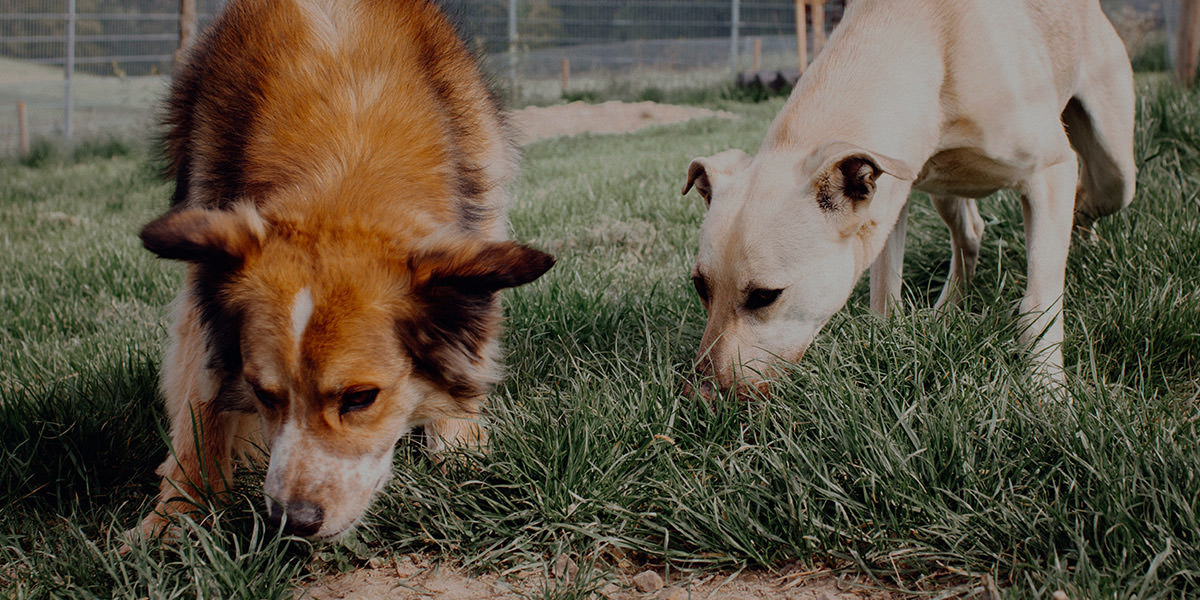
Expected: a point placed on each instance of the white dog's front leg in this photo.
(888, 268)
(1048, 206)
(961, 215)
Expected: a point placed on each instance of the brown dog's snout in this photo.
(303, 518)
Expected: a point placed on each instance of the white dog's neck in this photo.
(871, 95)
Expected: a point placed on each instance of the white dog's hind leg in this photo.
(888, 268)
(966, 230)
(1100, 120)
(1048, 205)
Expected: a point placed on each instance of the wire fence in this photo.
(100, 67)
(73, 69)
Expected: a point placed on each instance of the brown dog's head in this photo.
(785, 238)
(343, 339)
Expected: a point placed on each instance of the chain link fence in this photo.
(545, 48)
(72, 69)
(80, 68)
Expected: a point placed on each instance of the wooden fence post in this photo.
(566, 74)
(69, 73)
(22, 129)
(818, 25)
(187, 26)
(1188, 46)
(801, 37)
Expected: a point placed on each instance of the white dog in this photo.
(956, 99)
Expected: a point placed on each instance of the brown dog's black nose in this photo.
(303, 518)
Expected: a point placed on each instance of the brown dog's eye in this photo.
(761, 298)
(701, 287)
(358, 399)
(267, 399)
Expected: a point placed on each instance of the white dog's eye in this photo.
(701, 288)
(761, 298)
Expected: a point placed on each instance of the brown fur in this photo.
(340, 170)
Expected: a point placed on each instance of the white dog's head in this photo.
(785, 239)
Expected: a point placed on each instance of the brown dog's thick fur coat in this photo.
(340, 170)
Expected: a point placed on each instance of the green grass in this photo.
(914, 450)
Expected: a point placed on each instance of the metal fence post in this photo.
(68, 70)
(735, 22)
(512, 48)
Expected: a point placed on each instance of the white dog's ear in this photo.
(703, 172)
(847, 174)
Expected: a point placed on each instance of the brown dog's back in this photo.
(314, 95)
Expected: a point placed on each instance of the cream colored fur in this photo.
(954, 99)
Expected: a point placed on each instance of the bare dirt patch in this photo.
(413, 578)
(541, 122)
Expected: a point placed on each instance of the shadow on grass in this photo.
(87, 440)
(77, 462)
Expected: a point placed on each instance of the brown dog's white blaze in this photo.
(329, 444)
(340, 172)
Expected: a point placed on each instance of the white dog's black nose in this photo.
(303, 518)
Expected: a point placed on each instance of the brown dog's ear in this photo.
(451, 336)
(484, 269)
(847, 175)
(201, 235)
(703, 172)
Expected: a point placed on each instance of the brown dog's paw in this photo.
(456, 434)
(156, 526)
(445, 437)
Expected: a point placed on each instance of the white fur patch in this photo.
(281, 453)
(343, 486)
(321, 17)
(302, 310)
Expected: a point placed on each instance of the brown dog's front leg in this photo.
(198, 467)
(451, 433)
(199, 461)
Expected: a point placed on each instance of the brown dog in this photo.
(340, 170)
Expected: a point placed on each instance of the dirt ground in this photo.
(541, 122)
(412, 578)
